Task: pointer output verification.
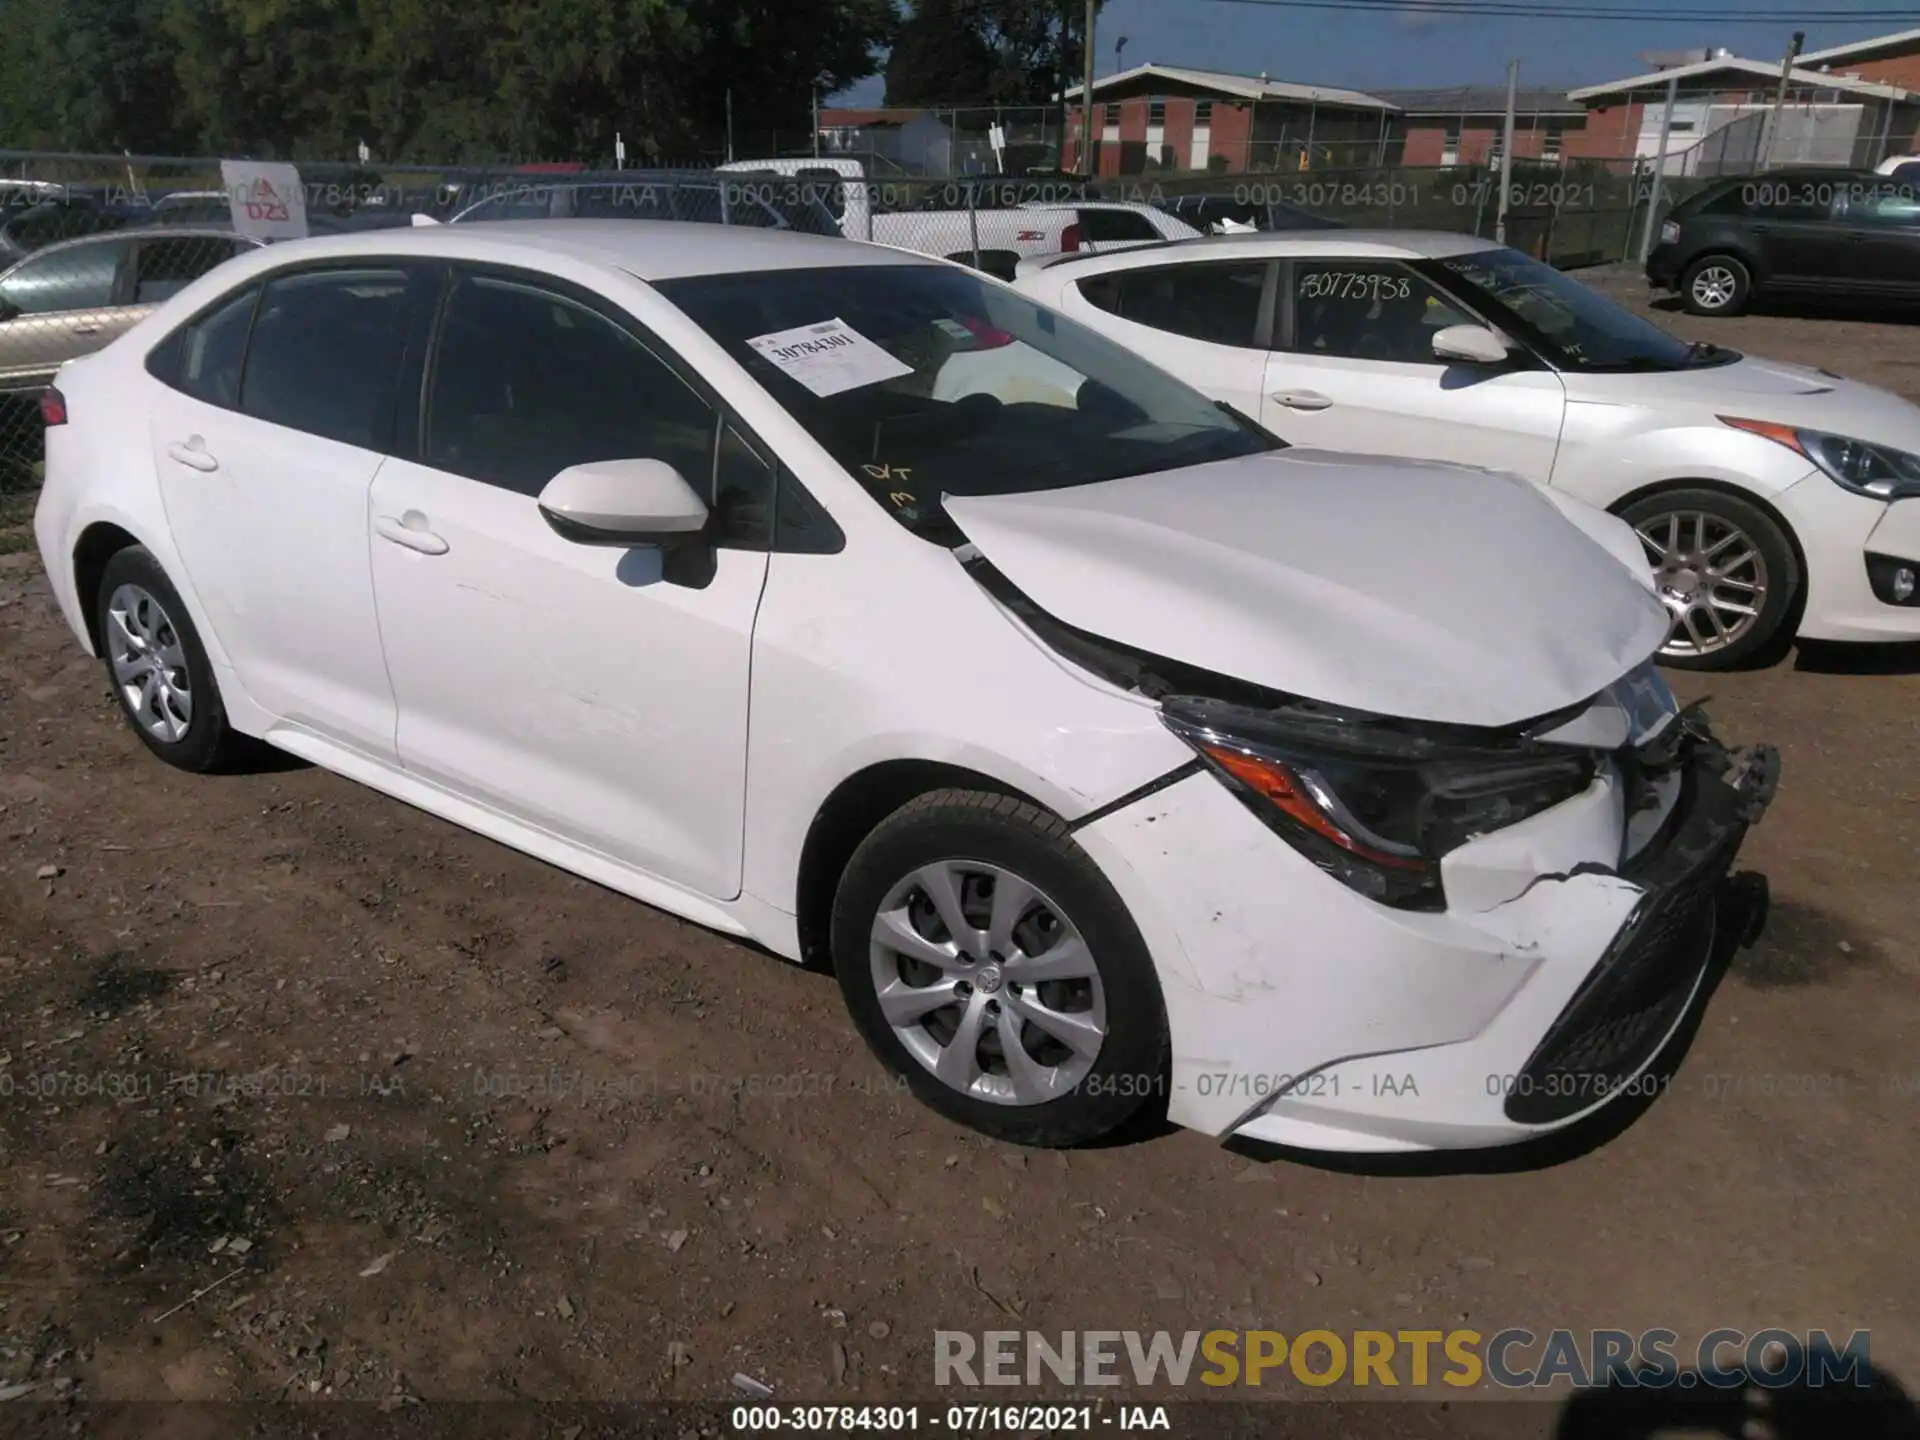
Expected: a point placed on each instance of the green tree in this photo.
(942, 56)
(986, 52)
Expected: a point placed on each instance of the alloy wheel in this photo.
(149, 664)
(988, 983)
(1715, 287)
(1711, 577)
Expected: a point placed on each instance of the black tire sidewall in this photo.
(1743, 285)
(208, 737)
(1783, 569)
(997, 830)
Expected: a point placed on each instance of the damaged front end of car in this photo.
(1473, 824)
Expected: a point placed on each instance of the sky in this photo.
(1409, 47)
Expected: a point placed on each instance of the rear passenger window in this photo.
(325, 350)
(527, 382)
(203, 357)
(1218, 303)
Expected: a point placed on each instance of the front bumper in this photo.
(1851, 542)
(1301, 1014)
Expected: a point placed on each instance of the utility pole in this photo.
(1086, 94)
(1780, 98)
(729, 124)
(1659, 169)
(1506, 154)
(816, 119)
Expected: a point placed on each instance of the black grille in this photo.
(1619, 1017)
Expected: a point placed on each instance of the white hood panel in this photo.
(1405, 588)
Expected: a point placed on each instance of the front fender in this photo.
(1612, 452)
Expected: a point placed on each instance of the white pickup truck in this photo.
(1001, 236)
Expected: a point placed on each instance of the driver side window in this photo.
(1365, 310)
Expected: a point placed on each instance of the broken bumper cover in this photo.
(1638, 994)
(1302, 1015)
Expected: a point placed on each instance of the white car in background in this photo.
(1771, 499)
(1004, 233)
(1113, 753)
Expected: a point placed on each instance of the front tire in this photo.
(1717, 285)
(158, 668)
(988, 963)
(1724, 569)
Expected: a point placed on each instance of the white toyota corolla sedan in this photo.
(1113, 753)
(1771, 499)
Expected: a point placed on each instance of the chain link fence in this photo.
(90, 244)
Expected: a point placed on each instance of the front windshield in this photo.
(1575, 327)
(925, 381)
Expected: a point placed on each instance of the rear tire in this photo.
(1035, 1016)
(1726, 572)
(158, 668)
(1716, 285)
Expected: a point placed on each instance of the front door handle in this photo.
(86, 329)
(410, 532)
(193, 455)
(1303, 399)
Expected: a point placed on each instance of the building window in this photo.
(1113, 114)
(1551, 141)
(1157, 112)
(1450, 143)
(1203, 113)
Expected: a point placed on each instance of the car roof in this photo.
(1269, 244)
(647, 249)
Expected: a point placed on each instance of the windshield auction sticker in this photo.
(829, 358)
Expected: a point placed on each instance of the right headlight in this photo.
(1670, 233)
(1376, 805)
(1877, 471)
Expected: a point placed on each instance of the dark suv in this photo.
(1813, 232)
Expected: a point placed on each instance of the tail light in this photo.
(53, 406)
(1073, 238)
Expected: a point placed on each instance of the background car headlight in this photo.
(1377, 808)
(1877, 471)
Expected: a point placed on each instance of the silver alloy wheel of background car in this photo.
(1714, 287)
(149, 663)
(988, 983)
(1711, 576)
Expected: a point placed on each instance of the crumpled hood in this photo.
(1406, 588)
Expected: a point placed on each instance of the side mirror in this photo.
(1475, 344)
(626, 503)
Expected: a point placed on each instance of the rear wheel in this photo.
(1725, 571)
(988, 962)
(159, 670)
(1716, 285)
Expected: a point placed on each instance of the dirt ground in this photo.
(425, 1118)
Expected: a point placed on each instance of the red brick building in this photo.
(1462, 124)
(1889, 59)
(1720, 116)
(1158, 117)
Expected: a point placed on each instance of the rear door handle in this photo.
(193, 455)
(1304, 399)
(410, 532)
